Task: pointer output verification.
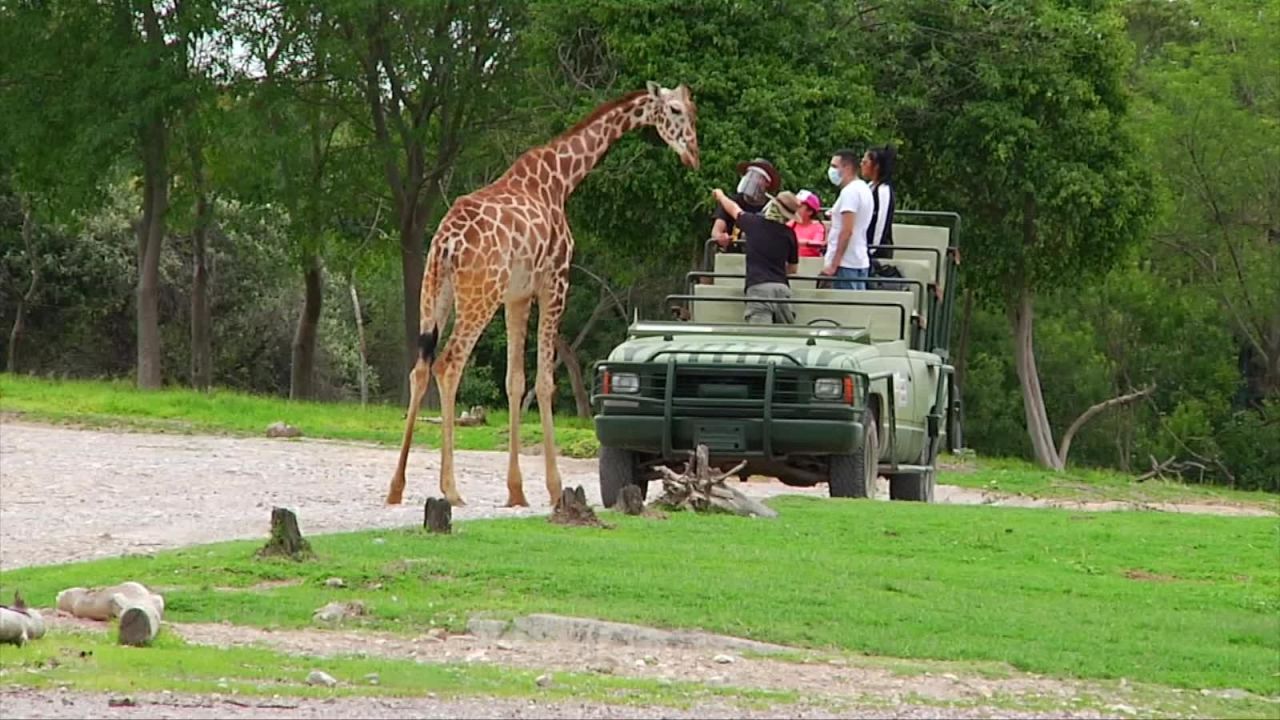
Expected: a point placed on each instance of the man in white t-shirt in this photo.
(846, 258)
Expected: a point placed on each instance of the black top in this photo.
(746, 206)
(770, 246)
(882, 247)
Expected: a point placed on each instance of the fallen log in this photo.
(630, 500)
(19, 623)
(697, 489)
(474, 417)
(106, 603)
(139, 624)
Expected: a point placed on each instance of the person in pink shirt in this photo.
(810, 233)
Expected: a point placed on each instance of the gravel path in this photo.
(69, 494)
(53, 704)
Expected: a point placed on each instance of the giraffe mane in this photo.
(600, 111)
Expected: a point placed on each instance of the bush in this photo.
(1250, 444)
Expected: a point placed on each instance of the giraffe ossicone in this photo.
(509, 244)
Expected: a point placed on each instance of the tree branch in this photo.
(1087, 415)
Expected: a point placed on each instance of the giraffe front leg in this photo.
(419, 378)
(473, 314)
(517, 330)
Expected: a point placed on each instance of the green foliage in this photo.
(1250, 444)
(1014, 115)
(1183, 600)
(775, 88)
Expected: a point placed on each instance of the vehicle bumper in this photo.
(730, 437)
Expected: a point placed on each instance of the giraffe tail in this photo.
(437, 296)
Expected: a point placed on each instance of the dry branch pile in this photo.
(701, 491)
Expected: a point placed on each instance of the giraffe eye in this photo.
(676, 110)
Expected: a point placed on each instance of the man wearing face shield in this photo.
(772, 255)
(758, 179)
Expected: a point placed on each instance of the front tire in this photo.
(617, 470)
(854, 476)
(916, 487)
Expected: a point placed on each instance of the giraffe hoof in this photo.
(516, 502)
(456, 501)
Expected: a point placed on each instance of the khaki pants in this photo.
(761, 310)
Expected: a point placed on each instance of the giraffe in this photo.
(509, 244)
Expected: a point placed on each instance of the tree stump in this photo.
(698, 490)
(19, 623)
(630, 500)
(574, 510)
(139, 624)
(438, 516)
(286, 539)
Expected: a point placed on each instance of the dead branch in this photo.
(699, 490)
(1065, 446)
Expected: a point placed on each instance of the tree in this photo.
(1015, 115)
(432, 77)
(111, 77)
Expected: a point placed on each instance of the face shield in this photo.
(752, 185)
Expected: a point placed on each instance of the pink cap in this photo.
(810, 199)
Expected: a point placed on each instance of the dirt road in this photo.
(69, 494)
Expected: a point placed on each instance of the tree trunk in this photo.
(301, 376)
(155, 208)
(364, 355)
(19, 318)
(201, 332)
(574, 366)
(962, 344)
(1022, 319)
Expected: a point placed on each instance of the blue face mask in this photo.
(833, 175)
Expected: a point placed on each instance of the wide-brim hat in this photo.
(775, 180)
(787, 204)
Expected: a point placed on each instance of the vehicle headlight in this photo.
(834, 388)
(624, 383)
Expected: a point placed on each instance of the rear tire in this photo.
(915, 487)
(854, 476)
(617, 470)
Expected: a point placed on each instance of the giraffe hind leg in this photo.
(419, 379)
(517, 330)
(550, 309)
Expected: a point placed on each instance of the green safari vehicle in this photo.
(858, 386)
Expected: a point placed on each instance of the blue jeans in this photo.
(850, 278)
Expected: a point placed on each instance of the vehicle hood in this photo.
(739, 350)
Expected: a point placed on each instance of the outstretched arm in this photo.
(727, 203)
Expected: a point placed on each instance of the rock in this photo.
(950, 676)
(335, 582)
(640, 663)
(486, 629)
(373, 678)
(504, 645)
(436, 633)
(1123, 709)
(1233, 694)
(320, 677)
(650, 660)
(379, 541)
(723, 659)
(475, 656)
(603, 666)
(543, 681)
(281, 429)
(336, 612)
(122, 702)
(717, 680)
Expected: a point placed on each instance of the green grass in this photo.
(1018, 477)
(1181, 600)
(92, 662)
(119, 404)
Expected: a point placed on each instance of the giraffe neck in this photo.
(554, 170)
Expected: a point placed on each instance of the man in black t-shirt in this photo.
(772, 255)
(758, 178)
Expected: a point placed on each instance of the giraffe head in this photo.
(675, 117)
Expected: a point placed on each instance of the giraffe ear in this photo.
(655, 90)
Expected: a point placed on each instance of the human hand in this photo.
(723, 239)
(830, 269)
(717, 193)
